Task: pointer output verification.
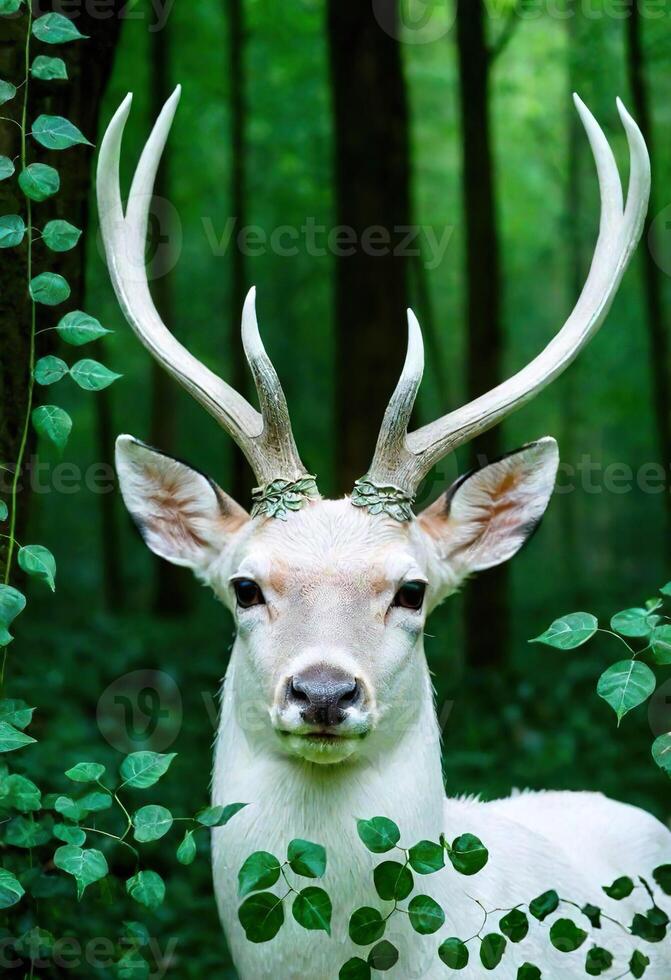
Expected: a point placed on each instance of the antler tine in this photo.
(265, 438)
(403, 459)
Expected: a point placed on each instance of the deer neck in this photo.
(398, 775)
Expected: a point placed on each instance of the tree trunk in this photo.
(372, 199)
(240, 480)
(89, 63)
(486, 599)
(172, 589)
(652, 276)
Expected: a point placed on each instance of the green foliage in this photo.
(379, 834)
(426, 857)
(261, 916)
(49, 288)
(7, 91)
(85, 866)
(569, 632)
(55, 29)
(57, 133)
(454, 953)
(306, 859)
(366, 926)
(312, 909)
(383, 956)
(566, 936)
(12, 602)
(53, 423)
(48, 69)
(626, 685)
(79, 328)
(38, 181)
(140, 770)
(393, 881)
(468, 855)
(60, 236)
(49, 370)
(12, 230)
(492, 949)
(426, 915)
(92, 376)
(36, 560)
(151, 822)
(514, 925)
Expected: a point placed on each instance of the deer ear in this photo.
(182, 515)
(486, 516)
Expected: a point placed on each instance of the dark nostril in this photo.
(297, 691)
(350, 696)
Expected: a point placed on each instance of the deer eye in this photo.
(248, 593)
(410, 595)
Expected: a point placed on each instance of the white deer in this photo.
(327, 711)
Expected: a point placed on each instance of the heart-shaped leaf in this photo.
(625, 685)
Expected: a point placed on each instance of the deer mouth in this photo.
(321, 746)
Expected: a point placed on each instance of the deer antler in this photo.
(403, 459)
(265, 438)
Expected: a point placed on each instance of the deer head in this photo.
(330, 597)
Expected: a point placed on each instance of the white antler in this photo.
(403, 459)
(265, 438)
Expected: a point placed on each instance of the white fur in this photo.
(329, 575)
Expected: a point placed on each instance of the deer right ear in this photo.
(182, 515)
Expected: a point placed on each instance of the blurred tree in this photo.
(372, 198)
(89, 66)
(658, 341)
(486, 599)
(172, 585)
(240, 481)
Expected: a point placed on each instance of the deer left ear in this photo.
(486, 516)
(182, 515)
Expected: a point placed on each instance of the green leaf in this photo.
(566, 936)
(4, 511)
(86, 772)
(544, 905)
(492, 949)
(69, 808)
(79, 328)
(426, 857)
(12, 602)
(632, 622)
(514, 925)
(454, 953)
(468, 855)
(8, 7)
(91, 375)
(393, 881)
(69, 834)
(312, 909)
(13, 711)
(22, 794)
(49, 370)
(598, 961)
(354, 969)
(306, 859)
(186, 852)
(49, 288)
(528, 972)
(132, 966)
(147, 888)
(151, 823)
(57, 133)
(12, 230)
(569, 631)
(661, 752)
(60, 236)
(26, 833)
(12, 739)
(625, 685)
(660, 642)
(366, 926)
(6, 166)
(425, 914)
(85, 866)
(593, 913)
(7, 91)
(53, 423)
(383, 956)
(261, 916)
(11, 890)
(48, 69)
(649, 927)
(666, 589)
(638, 964)
(38, 181)
(143, 769)
(260, 871)
(218, 816)
(662, 876)
(36, 560)
(379, 834)
(55, 29)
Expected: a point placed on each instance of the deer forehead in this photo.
(330, 544)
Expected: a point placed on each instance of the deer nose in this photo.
(323, 695)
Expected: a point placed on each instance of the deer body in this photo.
(327, 711)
